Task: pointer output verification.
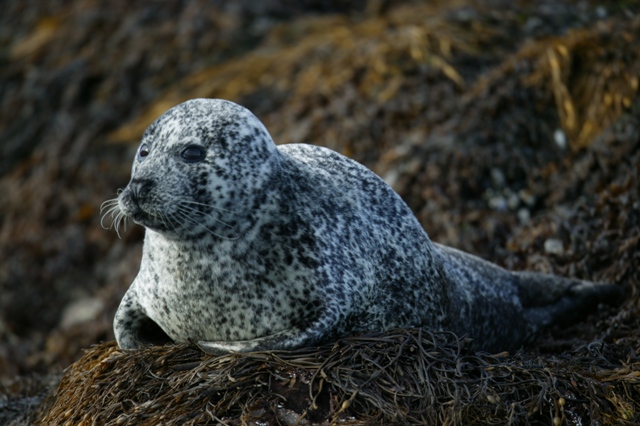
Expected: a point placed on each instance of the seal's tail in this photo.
(551, 300)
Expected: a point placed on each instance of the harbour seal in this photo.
(250, 246)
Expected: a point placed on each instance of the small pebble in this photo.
(81, 311)
(527, 197)
(498, 203)
(524, 216)
(497, 177)
(553, 246)
(560, 138)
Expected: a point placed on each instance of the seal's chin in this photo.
(142, 219)
(155, 223)
(149, 220)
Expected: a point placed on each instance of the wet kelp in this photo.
(397, 377)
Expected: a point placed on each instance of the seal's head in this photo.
(200, 168)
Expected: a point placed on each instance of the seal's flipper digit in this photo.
(552, 300)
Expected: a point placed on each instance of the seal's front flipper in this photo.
(134, 329)
(552, 300)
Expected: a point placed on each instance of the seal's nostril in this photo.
(140, 188)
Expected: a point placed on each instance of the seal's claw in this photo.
(221, 348)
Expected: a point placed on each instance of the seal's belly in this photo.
(206, 311)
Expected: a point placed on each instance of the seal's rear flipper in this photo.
(552, 300)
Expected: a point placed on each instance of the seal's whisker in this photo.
(118, 220)
(184, 216)
(111, 208)
(104, 216)
(170, 219)
(114, 213)
(108, 204)
(166, 220)
(191, 210)
(111, 211)
(163, 218)
(211, 206)
(192, 213)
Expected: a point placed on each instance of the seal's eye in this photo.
(192, 154)
(143, 151)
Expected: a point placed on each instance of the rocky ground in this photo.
(512, 129)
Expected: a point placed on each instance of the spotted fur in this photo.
(254, 247)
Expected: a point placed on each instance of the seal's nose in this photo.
(140, 188)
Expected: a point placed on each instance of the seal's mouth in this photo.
(135, 206)
(174, 215)
(149, 219)
(141, 210)
(139, 216)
